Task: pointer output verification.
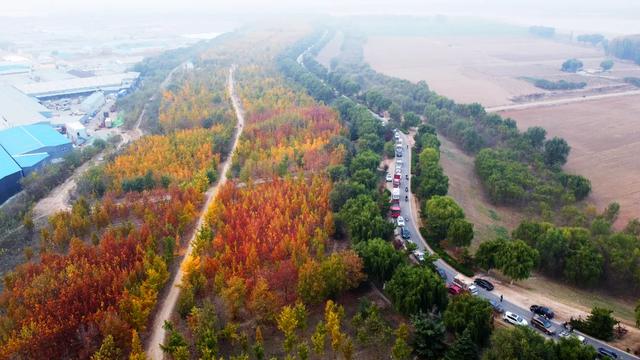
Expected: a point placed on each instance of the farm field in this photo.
(489, 70)
(330, 50)
(605, 142)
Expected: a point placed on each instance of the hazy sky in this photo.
(611, 15)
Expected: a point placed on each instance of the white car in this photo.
(398, 170)
(419, 255)
(473, 290)
(389, 178)
(400, 221)
(514, 319)
(567, 334)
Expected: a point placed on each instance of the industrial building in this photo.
(10, 175)
(24, 149)
(18, 109)
(93, 103)
(80, 86)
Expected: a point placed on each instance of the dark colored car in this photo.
(543, 324)
(607, 354)
(485, 284)
(496, 306)
(406, 234)
(542, 311)
(442, 273)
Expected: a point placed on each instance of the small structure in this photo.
(92, 104)
(76, 132)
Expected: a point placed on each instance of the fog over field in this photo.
(615, 16)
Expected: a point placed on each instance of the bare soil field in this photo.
(487, 70)
(489, 220)
(605, 143)
(330, 50)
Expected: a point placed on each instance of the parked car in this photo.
(606, 353)
(542, 310)
(543, 324)
(389, 178)
(514, 319)
(455, 289)
(485, 284)
(400, 221)
(568, 334)
(406, 234)
(419, 255)
(442, 273)
(497, 307)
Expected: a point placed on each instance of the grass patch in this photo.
(494, 215)
(500, 231)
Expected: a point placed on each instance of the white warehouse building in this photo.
(79, 86)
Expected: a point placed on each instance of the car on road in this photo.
(400, 221)
(419, 255)
(455, 289)
(543, 324)
(514, 319)
(405, 233)
(604, 353)
(485, 284)
(570, 334)
(543, 311)
(497, 307)
(389, 177)
(442, 273)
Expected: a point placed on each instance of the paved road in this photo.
(556, 102)
(409, 212)
(167, 305)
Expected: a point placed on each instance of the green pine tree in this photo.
(463, 349)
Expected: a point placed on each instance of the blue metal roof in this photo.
(7, 165)
(30, 138)
(29, 160)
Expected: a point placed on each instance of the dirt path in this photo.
(546, 103)
(166, 305)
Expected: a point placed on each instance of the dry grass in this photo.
(331, 49)
(605, 142)
(485, 70)
(464, 186)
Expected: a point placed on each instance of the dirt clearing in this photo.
(605, 144)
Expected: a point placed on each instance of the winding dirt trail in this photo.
(167, 304)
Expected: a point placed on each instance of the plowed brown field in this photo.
(605, 146)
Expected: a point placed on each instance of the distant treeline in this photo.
(593, 39)
(542, 31)
(625, 47)
(557, 85)
(633, 81)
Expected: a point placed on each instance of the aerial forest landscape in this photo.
(320, 180)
